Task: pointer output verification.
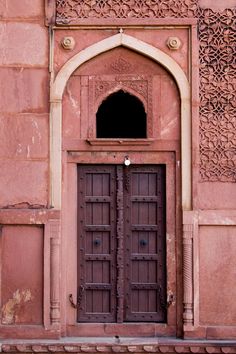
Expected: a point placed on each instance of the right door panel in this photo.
(145, 273)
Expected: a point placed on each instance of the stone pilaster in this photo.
(188, 317)
(55, 273)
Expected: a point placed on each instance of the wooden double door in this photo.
(121, 243)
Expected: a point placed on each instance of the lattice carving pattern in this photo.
(217, 95)
(71, 11)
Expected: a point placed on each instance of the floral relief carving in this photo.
(71, 11)
(103, 87)
(120, 65)
(139, 86)
(217, 37)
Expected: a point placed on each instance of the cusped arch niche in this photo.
(84, 56)
(121, 115)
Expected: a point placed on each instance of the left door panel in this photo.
(96, 243)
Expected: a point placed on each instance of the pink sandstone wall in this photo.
(22, 275)
(24, 141)
(29, 271)
(24, 104)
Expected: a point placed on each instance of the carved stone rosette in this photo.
(188, 274)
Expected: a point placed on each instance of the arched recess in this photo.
(129, 117)
(90, 52)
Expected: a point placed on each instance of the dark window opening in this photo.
(121, 115)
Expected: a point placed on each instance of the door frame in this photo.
(60, 190)
(173, 240)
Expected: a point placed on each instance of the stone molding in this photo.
(176, 347)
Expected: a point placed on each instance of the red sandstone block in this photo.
(24, 90)
(23, 182)
(21, 9)
(216, 195)
(217, 5)
(24, 136)
(23, 43)
(217, 275)
(22, 278)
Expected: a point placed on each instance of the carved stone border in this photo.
(100, 87)
(176, 347)
(217, 38)
(75, 11)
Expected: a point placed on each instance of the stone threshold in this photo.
(117, 345)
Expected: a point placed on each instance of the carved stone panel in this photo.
(217, 34)
(72, 11)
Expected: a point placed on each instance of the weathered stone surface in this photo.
(24, 136)
(24, 90)
(23, 182)
(23, 44)
(216, 195)
(217, 275)
(21, 9)
(22, 266)
(217, 5)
